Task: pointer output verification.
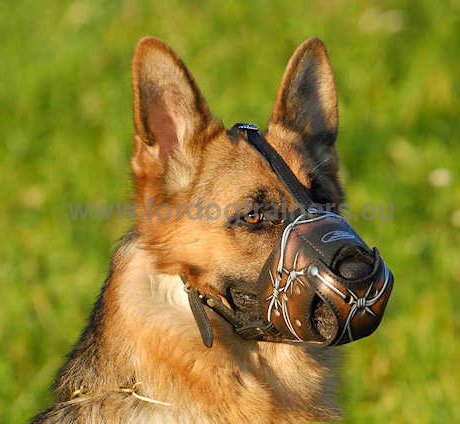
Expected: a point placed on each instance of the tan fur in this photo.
(142, 329)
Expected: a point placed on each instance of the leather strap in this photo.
(201, 318)
(279, 166)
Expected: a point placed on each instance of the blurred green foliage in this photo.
(66, 126)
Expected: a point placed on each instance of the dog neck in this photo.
(142, 330)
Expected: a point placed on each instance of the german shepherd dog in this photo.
(140, 358)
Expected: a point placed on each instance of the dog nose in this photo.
(354, 269)
(353, 263)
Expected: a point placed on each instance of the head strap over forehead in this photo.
(279, 166)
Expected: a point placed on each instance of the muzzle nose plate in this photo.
(308, 297)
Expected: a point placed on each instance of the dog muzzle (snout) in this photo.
(321, 283)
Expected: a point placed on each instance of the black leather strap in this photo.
(279, 166)
(201, 318)
(244, 325)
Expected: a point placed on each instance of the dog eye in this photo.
(253, 217)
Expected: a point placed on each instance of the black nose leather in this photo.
(354, 269)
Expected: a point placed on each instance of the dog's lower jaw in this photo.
(142, 330)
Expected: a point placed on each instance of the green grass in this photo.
(66, 126)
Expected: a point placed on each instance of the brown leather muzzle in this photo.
(322, 283)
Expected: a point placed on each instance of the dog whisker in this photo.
(314, 174)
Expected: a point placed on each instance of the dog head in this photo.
(208, 203)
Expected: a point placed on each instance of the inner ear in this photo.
(169, 109)
(307, 102)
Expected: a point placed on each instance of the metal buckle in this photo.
(247, 127)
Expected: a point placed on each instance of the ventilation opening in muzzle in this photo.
(323, 319)
(353, 263)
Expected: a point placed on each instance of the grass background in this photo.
(65, 135)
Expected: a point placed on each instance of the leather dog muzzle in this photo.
(322, 283)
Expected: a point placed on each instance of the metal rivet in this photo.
(313, 270)
(211, 302)
(312, 210)
(298, 323)
(277, 313)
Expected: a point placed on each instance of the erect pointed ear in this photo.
(307, 101)
(169, 110)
